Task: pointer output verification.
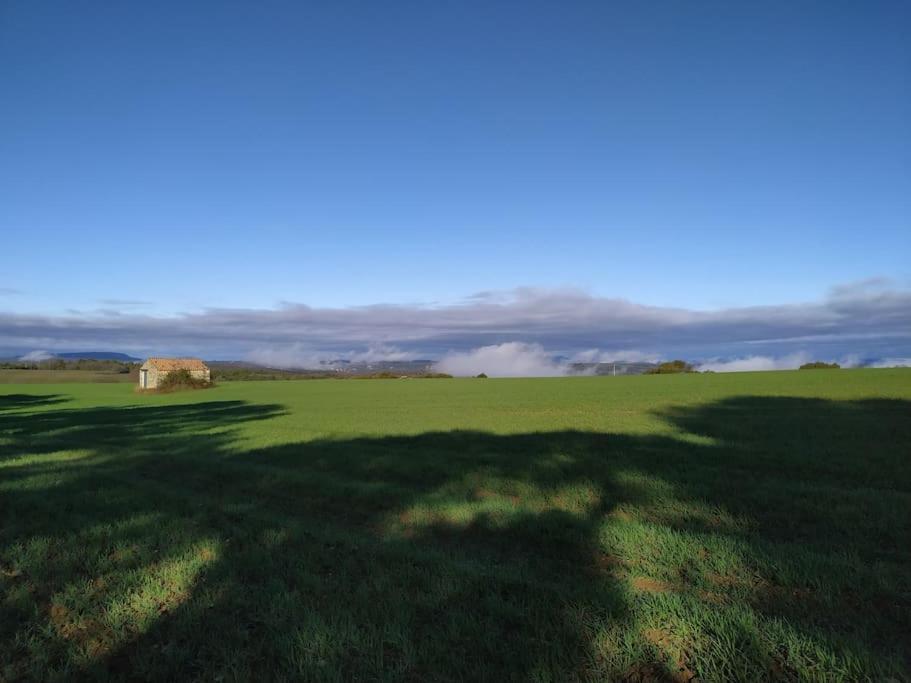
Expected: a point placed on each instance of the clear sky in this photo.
(702, 155)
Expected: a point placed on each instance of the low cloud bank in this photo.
(756, 363)
(791, 361)
(513, 359)
(291, 356)
(35, 356)
(627, 356)
(518, 359)
(297, 356)
(871, 317)
(892, 363)
(509, 359)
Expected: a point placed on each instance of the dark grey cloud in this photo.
(871, 317)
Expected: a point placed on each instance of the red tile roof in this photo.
(169, 364)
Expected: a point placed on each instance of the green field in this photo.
(731, 527)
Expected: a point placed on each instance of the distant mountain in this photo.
(237, 364)
(97, 355)
(403, 367)
(341, 366)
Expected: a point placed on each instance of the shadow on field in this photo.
(17, 401)
(149, 543)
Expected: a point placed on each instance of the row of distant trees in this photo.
(819, 365)
(672, 367)
(114, 366)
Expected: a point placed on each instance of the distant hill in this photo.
(400, 367)
(341, 366)
(345, 367)
(97, 355)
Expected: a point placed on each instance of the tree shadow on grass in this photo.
(763, 548)
(19, 401)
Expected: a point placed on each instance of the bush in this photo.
(182, 379)
(671, 368)
(819, 365)
(481, 376)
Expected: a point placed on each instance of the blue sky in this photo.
(162, 159)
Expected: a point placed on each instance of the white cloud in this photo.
(375, 354)
(299, 356)
(289, 356)
(790, 361)
(599, 356)
(852, 360)
(755, 363)
(892, 363)
(512, 359)
(37, 355)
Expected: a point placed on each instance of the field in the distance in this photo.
(730, 527)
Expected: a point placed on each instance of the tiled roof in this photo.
(169, 364)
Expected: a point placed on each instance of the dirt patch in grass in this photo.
(761, 589)
(672, 647)
(605, 564)
(9, 573)
(409, 527)
(713, 597)
(643, 584)
(653, 673)
(734, 582)
(91, 636)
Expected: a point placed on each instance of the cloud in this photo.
(755, 363)
(628, 355)
(302, 357)
(518, 359)
(291, 356)
(852, 360)
(871, 318)
(375, 354)
(124, 302)
(9, 291)
(892, 363)
(512, 359)
(862, 289)
(789, 361)
(36, 356)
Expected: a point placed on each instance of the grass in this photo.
(731, 527)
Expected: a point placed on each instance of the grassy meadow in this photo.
(666, 528)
